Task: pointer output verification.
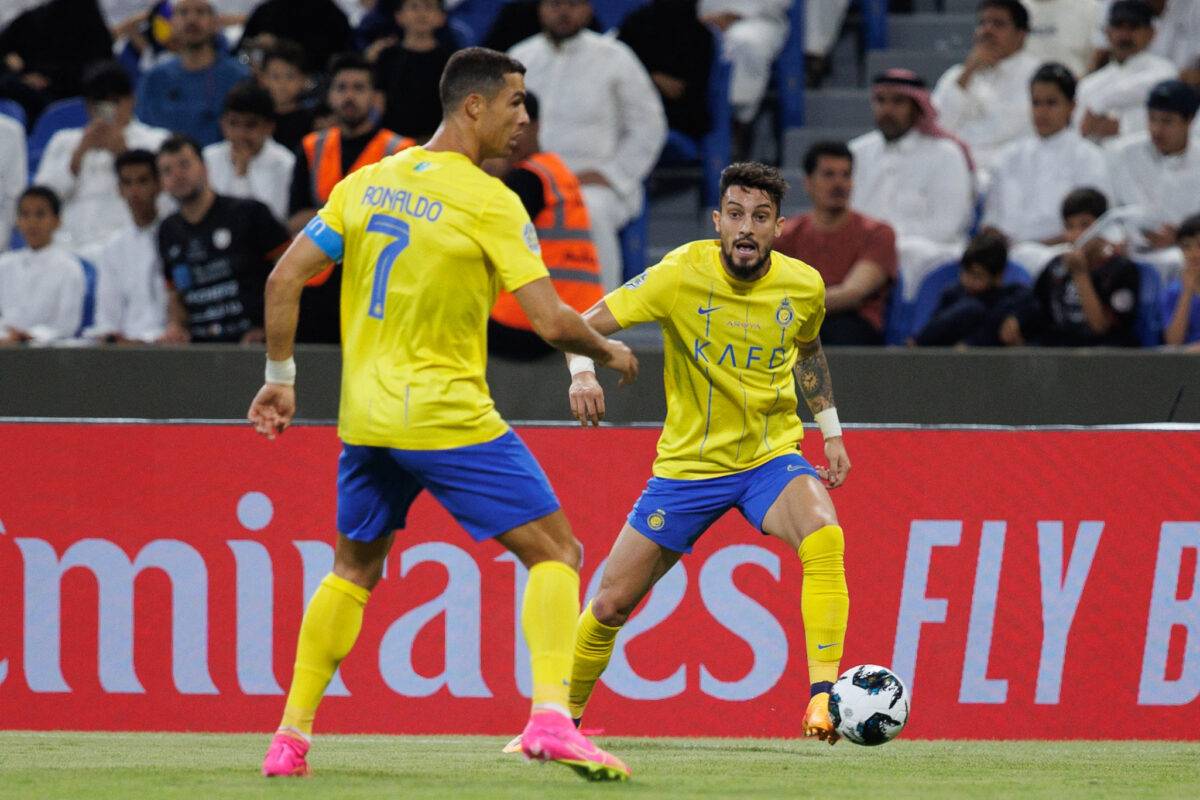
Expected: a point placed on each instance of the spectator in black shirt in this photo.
(216, 253)
(408, 71)
(318, 26)
(284, 77)
(677, 51)
(44, 51)
(972, 311)
(1085, 297)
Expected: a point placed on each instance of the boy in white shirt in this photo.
(41, 285)
(131, 294)
(249, 164)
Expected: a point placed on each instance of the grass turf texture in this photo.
(97, 766)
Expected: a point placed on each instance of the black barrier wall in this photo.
(1003, 387)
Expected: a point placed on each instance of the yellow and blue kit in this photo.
(427, 240)
(731, 432)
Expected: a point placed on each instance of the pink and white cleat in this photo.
(285, 757)
(551, 736)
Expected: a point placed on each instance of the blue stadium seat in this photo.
(897, 314)
(472, 19)
(875, 20)
(611, 13)
(789, 72)
(68, 113)
(1149, 323)
(634, 239)
(11, 108)
(717, 144)
(920, 309)
(905, 319)
(712, 151)
(88, 318)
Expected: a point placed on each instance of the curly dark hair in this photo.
(753, 175)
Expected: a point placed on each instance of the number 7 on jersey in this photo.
(398, 230)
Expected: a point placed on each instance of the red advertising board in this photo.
(1027, 584)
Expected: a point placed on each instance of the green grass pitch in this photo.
(98, 766)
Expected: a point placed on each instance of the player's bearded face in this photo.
(748, 223)
(504, 118)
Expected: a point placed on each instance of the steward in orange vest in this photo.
(325, 158)
(554, 200)
(327, 164)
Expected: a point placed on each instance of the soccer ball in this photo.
(869, 705)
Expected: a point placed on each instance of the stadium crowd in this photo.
(156, 157)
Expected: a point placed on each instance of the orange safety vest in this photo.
(565, 233)
(324, 152)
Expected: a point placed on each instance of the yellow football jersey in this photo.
(729, 348)
(426, 240)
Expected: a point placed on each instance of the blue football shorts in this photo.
(490, 488)
(674, 513)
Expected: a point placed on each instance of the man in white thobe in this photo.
(131, 293)
(985, 99)
(753, 33)
(1034, 174)
(600, 112)
(1158, 171)
(1062, 31)
(78, 162)
(914, 175)
(1112, 100)
(1176, 31)
(248, 163)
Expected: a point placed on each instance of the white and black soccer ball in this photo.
(869, 705)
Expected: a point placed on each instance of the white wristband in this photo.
(578, 364)
(281, 372)
(828, 420)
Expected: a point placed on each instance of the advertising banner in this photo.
(1025, 584)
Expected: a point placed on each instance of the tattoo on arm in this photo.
(812, 373)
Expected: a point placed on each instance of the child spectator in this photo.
(284, 77)
(1181, 299)
(131, 295)
(248, 164)
(41, 285)
(972, 312)
(408, 72)
(1085, 297)
(1034, 174)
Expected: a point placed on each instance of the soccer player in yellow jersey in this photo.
(427, 240)
(740, 329)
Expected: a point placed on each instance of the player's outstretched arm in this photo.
(275, 404)
(816, 385)
(562, 327)
(586, 394)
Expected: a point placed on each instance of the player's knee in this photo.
(821, 518)
(365, 575)
(571, 553)
(566, 549)
(608, 610)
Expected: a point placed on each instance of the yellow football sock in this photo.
(824, 601)
(594, 642)
(331, 624)
(548, 615)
